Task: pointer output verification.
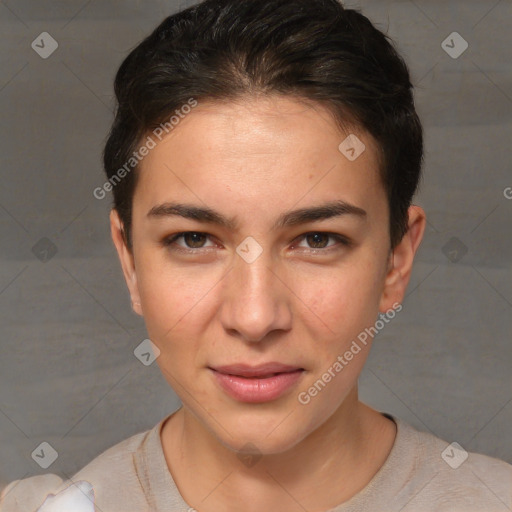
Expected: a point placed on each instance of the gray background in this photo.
(68, 375)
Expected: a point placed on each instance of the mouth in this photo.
(261, 371)
(260, 383)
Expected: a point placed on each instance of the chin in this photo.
(258, 443)
(269, 431)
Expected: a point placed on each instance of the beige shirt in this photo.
(422, 473)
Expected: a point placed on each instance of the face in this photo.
(263, 286)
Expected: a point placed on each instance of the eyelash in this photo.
(170, 241)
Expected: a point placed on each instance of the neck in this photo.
(327, 468)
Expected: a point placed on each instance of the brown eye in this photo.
(318, 240)
(193, 240)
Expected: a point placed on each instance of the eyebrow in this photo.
(290, 218)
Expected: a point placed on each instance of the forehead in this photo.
(269, 151)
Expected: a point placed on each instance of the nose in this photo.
(256, 299)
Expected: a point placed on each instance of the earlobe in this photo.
(401, 260)
(126, 259)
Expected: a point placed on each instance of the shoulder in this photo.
(109, 473)
(28, 494)
(446, 477)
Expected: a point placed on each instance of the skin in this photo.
(255, 159)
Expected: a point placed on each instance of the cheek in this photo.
(173, 302)
(341, 301)
(170, 308)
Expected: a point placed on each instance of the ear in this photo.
(126, 259)
(401, 259)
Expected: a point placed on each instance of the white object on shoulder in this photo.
(78, 497)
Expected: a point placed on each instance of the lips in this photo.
(262, 383)
(261, 371)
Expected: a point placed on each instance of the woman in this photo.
(263, 160)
